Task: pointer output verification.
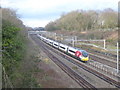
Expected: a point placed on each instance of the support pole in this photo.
(117, 57)
(61, 38)
(104, 44)
(73, 42)
(55, 36)
(75, 39)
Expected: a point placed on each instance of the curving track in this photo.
(102, 58)
(85, 67)
(82, 82)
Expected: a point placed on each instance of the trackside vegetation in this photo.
(12, 45)
(14, 50)
(85, 20)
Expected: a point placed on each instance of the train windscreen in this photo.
(84, 53)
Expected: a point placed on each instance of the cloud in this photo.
(37, 11)
(35, 6)
(35, 22)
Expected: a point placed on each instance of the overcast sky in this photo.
(38, 13)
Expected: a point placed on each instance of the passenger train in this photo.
(81, 55)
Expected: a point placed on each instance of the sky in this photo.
(38, 13)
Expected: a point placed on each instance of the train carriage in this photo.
(55, 44)
(50, 42)
(80, 54)
(63, 47)
(76, 52)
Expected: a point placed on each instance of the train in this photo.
(77, 53)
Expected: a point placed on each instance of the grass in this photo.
(111, 47)
(46, 60)
(74, 67)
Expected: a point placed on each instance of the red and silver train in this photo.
(75, 52)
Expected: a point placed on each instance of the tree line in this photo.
(13, 41)
(82, 20)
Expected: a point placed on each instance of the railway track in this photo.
(82, 82)
(102, 58)
(104, 54)
(94, 72)
(85, 67)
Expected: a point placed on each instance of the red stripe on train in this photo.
(78, 53)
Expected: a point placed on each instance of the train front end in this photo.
(83, 55)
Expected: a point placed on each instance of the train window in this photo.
(62, 47)
(71, 51)
(84, 53)
(55, 44)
